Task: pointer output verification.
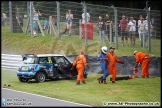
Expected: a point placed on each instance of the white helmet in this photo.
(104, 49)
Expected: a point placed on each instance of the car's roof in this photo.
(51, 55)
(48, 55)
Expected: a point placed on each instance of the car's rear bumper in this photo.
(26, 74)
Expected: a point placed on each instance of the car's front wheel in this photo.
(40, 77)
(21, 79)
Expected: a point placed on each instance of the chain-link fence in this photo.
(19, 18)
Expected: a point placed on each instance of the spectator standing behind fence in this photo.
(139, 21)
(141, 29)
(21, 21)
(83, 17)
(132, 31)
(69, 18)
(101, 26)
(45, 24)
(108, 23)
(35, 19)
(147, 31)
(123, 27)
(2, 21)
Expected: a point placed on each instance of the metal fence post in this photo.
(31, 17)
(148, 21)
(10, 12)
(80, 28)
(110, 33)
(58, 19)
(144, 32)
(149, 43)
(28, 18)
(116, 25)
(85, 22)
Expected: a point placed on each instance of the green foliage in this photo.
(92, 93)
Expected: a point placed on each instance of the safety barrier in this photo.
(13, 62)
(10, 61)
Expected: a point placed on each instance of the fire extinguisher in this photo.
(135, 72)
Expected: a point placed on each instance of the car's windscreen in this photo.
(29, 60)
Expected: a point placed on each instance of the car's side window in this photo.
(43, 60)
(29, 60)
(61, 59)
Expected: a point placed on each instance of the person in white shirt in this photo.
(83, 17)
(141, 29)
(139, 21)
(69, 18)
(36, 15)
(132, 30)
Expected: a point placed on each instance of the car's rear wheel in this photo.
(21, 79)
(40, 77)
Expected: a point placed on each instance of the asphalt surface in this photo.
(16, 98)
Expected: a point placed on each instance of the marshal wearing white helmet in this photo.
(102, 57)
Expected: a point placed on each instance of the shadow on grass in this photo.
(50, 80)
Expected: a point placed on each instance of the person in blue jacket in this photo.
(45, 24)
(102, 57)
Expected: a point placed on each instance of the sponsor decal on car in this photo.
(42, 66)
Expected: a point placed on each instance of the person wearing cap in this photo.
(123, 27)
(143, 59)
(102, 57)
(80, 63)
(141, 29)
(112, 63)
(132, 31)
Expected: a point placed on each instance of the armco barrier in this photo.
(10, 61)
(13, 62)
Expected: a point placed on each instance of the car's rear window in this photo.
(29, 60)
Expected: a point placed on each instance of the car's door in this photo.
(44, 64)
(64, 65)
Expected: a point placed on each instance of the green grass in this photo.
(20, 43)
(92, 93)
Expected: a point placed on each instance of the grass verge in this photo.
(92, 93)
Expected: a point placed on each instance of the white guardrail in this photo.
(10, 61)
